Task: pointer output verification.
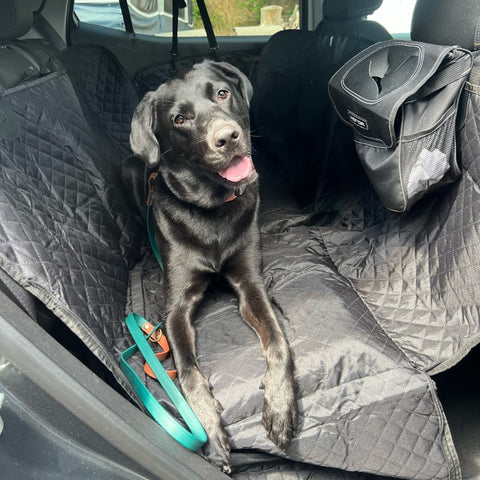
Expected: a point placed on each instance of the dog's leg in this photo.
(183, 303)
(280, 405)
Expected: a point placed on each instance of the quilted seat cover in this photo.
(371, 304)
(66, 229)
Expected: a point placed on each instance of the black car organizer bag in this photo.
(402, 100)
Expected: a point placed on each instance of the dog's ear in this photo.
(143, 141)
(234, 74)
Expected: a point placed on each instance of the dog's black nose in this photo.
(226, 134)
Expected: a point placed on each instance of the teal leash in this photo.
(153, 242)
(151, 234)
(195, 436)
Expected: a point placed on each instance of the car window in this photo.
(395, 16)
(228, 17)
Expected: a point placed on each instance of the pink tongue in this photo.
(238, 169)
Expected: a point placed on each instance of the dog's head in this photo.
(198, 121)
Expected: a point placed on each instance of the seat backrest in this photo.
(26, 60)
(447, 22)
(457, 22)
(291, 110)
(67, 231)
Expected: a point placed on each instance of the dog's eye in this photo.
(222, 94)
(179, 119)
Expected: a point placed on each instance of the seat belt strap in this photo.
(48, 32)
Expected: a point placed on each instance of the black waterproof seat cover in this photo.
(359, 339)
(372, 304)
(447, 22)
(65, 218)
(291, 110)
(27, 59)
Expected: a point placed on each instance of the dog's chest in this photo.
(213, 234)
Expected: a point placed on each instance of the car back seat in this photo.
(104, 90)
(291, 109)
(437, 21)
(21, 62)
(26, 59)
(68, 233)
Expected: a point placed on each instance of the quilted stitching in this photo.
(66, 234)
(470, 136)
(417, 273)
(65, 231)
(104, 89)
(151, 78)
(363, 406)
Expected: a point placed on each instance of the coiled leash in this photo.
(193, 437)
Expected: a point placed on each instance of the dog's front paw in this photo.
(217, 449)
(280, 412)
(208, 409)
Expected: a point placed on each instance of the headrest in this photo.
(447, 22)
(17, 17)
(349, 9)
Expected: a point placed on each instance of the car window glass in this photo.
(395, 16)
(228, 17)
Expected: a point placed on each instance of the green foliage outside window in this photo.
(227, 14)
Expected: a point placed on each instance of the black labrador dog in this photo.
(195, 130)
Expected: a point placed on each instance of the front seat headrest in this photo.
(349, 9)
(17, 18)
(447, 22)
